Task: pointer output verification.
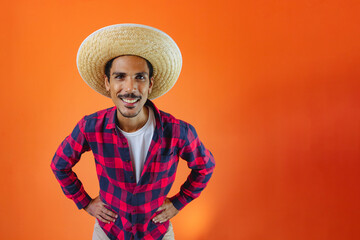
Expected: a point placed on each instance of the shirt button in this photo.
(134, 211)
(132, 178)
(124, 143)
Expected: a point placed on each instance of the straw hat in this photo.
(129, 39)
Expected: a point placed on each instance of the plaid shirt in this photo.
(135, 203)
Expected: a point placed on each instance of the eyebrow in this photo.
(118, 73)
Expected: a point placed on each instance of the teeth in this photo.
(129, 101)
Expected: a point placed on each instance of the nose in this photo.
(130, 85)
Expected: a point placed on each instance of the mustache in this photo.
(129, 95)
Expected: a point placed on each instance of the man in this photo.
(136, 146)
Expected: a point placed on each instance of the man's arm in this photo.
(65, 158)
(201, 162)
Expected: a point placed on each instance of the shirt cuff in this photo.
(83, 200)
(179, 201)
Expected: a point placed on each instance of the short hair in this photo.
(108, 66)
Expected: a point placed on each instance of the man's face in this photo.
(129, 84)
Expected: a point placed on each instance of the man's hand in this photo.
(96, 208)
(168, 211)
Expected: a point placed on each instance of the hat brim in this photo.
(130, 39)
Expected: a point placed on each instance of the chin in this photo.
(129, 114)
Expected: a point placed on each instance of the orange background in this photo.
(272, 88)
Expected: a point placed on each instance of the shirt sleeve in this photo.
(65, 158)
(200, 161)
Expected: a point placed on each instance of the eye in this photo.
(140, 77)
(120, 76)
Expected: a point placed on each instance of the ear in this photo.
(151, 84)
(107, 83)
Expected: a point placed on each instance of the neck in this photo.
(135, 123)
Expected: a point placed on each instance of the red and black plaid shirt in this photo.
(135, 203)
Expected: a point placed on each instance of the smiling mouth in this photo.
(130, 100)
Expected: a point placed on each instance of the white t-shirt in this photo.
(139, 143)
